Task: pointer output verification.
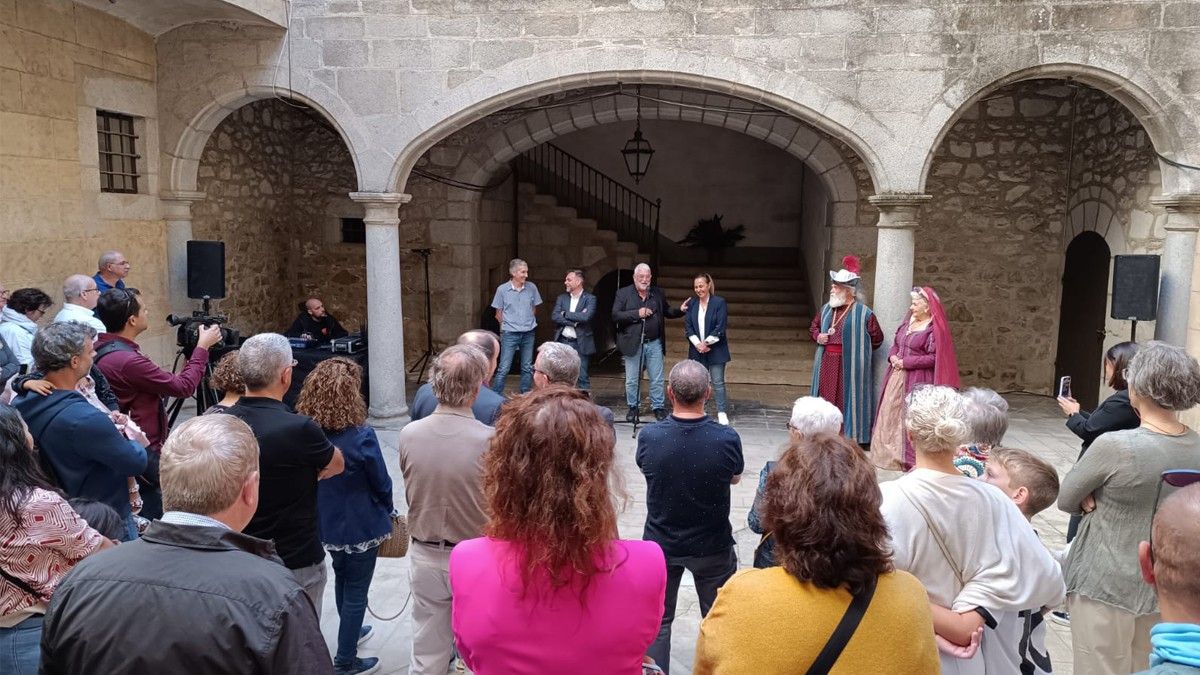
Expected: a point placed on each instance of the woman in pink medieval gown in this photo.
(923, 353)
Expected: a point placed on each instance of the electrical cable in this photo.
(462, 185)
(1178, 165)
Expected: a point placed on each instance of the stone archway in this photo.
(1023, 172)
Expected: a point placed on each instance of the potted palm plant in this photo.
(709, 234)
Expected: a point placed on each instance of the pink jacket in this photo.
(499, 629)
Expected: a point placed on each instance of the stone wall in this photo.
(277, 180)
(59, 63)
(991, 241)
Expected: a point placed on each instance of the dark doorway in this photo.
(1081, 317)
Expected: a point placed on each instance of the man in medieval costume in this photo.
(846, 333)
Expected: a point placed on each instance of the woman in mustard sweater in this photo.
(822, 505)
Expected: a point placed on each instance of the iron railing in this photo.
(593, 194)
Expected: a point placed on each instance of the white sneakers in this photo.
(723, 418)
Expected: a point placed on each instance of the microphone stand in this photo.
(637, 419)
(423, 361)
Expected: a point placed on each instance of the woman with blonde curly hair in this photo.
(979, 559)
(551, 588)
(355, 506)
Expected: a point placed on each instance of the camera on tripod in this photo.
(189, 329)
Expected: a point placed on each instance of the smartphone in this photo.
(1064, 386)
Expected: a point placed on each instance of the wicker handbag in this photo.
(397, 545)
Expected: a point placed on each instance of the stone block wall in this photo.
(991, 241)
(60, 63)
(277, 180)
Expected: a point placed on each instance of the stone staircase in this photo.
(769, 312)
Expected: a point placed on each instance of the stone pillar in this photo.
(177, 209)
(1175, 282)
(898, 218)
(385, 325)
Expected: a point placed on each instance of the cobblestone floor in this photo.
(1035, 425)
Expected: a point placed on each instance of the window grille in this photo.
(354, 231)
(118, 152)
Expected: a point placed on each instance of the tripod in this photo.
(423, 362)
(205, 395)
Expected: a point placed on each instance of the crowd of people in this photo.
(127, 546)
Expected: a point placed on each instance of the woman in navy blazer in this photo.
(704, 325)
(355, 506)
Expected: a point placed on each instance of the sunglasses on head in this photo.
(1176, 478)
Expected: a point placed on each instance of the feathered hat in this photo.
(848, 275)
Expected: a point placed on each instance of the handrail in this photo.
(593, 194)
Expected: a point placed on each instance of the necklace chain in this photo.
(1152, 425)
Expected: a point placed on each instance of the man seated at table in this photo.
(315, 323)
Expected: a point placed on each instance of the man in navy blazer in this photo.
(487, 405)
(573, 313)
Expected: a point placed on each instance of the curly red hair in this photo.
(821, 505)
(546, 479)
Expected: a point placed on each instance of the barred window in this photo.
(118, 152)
(354, 231)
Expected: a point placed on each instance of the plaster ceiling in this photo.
(159, 16)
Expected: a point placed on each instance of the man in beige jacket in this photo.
(441, 459)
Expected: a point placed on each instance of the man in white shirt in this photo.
(573, 312)
(80, 295)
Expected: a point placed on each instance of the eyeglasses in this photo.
(89, 290)
(1176, 478)
(295, 363)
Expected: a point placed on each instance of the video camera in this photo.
(189, 330)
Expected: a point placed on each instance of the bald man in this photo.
(315, 323)
(80, 294)
(1172, 567)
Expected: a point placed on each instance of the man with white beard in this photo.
(846, 333)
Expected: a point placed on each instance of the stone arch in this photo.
(1168, 132)
(794, 137)
(1094, 209)
(544, 74)
(185, 157)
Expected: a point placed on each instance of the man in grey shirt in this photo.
(441, 457)
(515, 302)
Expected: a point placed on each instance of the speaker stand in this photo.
(423, 362)
(1133, 330)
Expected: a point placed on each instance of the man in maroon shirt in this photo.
(139, 383)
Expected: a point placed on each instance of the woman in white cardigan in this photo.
(978, 557)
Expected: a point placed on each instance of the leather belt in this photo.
(437, 544)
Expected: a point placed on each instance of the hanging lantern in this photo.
(637, 150)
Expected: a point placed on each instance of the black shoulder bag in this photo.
(26, 588)
(844, 631)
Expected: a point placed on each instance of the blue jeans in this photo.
(20, 647)
(352, 574)
(509, 344)
(710, 573)
(652, 355)
(716, 373)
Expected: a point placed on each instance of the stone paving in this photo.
(1035, 425)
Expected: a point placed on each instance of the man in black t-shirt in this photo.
(293, 455)
(315, 323)
(689, 460)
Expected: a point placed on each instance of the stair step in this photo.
(741, 272)
(744, 348)
(724, 285)
(544, 199)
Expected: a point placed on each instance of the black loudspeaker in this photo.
(205, 269)
(1135, 287)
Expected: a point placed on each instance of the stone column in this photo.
(385, 325)
(898, 218)
(177, 209)
(1175, 281)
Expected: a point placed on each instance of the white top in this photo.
(73, 312)
(569, 331)
(993, 559)
(695, 339)
(17, 331)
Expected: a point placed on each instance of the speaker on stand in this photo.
(205, 269)
(1135, 290)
